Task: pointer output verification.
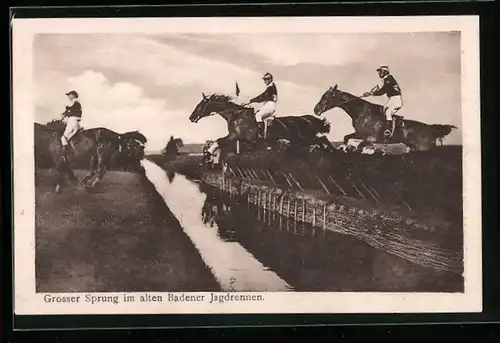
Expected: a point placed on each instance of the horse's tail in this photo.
(319, 125)
(442, 130)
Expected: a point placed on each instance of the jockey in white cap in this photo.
(73, 115)
(391, 89)
(269, 99)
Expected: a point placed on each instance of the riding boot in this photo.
(388, 128)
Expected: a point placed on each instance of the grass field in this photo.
(121, 237)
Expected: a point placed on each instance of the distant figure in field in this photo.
(269, 98)
(72, 115)
(172, 148)
(392, 90)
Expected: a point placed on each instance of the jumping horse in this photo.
(242, 126)
(368, 120)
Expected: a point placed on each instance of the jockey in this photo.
(269, 97)
(73, 115)
(391, 88)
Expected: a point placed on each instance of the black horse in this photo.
(368, 121)
(300, 131)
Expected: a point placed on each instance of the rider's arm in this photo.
(260, 97)
(269, 94)
(374, 89)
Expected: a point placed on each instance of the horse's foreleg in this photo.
(350, 136)
(69, 172)
(59, 175)
(325, 143)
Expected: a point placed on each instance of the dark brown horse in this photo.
(96, 145)
(242, 126)
(368, 121)
(132, 153)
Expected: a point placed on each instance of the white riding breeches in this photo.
(266, 111)
(72, 127)
(392, 106)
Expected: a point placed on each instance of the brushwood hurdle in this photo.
(380, 228)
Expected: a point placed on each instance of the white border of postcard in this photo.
(27, 301)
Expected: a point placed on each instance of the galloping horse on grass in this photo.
(97, 144)
(301, 131)
(368, 122)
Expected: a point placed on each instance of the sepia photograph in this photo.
(247, 165)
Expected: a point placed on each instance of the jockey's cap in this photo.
(267, 76)
(74, 93)
(386, 68)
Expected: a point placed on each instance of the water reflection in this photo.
(170, 175)
(248, 248)
(234, 267)
(313, 259)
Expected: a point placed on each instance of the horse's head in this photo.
(330, 99)
(209, 105)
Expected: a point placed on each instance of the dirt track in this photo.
(120, 238)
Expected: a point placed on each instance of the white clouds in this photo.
(292, 49)
(123, 107)
(129, 82)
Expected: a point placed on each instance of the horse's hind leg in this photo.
(101, 170)
(102, 162)
(93, 170)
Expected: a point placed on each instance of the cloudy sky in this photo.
(153, 82)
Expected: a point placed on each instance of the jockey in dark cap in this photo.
(269, 98)
(391, 89)
(72, 115)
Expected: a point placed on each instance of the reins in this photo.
(243, 106)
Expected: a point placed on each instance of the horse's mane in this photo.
(228, 98)
(221, 97)
(56, 125)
